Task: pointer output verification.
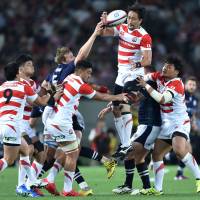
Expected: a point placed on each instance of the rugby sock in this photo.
(54, 171)
(26, 165)
(68, 180)
(36, 168)
(159, 174)
(3, 164)
(79, 179)
(128, 124)
(119, 124)
(144, 174)
(89, 153)
(47, 165)
(129, 167)
(21, 174)
(191, 163)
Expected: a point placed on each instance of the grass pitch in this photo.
(102, 188)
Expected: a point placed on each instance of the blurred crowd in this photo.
(40, 27)
(103, 139)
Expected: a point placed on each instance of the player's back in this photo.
(149, 109)
(69, 101)
(61, 72)
(74, 88)
(12, 100)
(56, 77)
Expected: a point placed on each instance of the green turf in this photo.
(96, 177)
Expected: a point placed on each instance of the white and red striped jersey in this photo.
(74, 88)
(28, 107)
(131, 45)
(13, 96)
(175, 110)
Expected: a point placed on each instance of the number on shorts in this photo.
(8, 93)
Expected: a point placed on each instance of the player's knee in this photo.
(71, 160)
(189, 147)
(180, 151)
(139, 159)
(10, 160)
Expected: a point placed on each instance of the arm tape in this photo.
(160, 98)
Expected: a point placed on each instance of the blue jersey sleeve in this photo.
(49, 77)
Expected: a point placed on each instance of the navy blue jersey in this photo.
(56, 77)
(149, 109)
(61, 72)
(191, 103)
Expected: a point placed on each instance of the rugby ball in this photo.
(116, 17)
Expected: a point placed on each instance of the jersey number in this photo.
(8, 93)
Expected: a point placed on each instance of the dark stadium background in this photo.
(39, 27)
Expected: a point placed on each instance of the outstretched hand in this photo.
(99, 28)
(104, 18)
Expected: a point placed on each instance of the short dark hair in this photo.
(20, 60)
(191, 78)
(176, 61)
(140, 10)
(11, 70)
(83, 64)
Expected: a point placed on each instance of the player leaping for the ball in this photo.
(134, 54)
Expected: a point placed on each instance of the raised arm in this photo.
(86, 48)
(147, 58)
(107, 31)
(109, 97)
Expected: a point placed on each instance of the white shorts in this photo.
(146, 135)
(128, 75)
(10, 133)
(48, 139)
(60, 133)
(26, 128)
(168, 128)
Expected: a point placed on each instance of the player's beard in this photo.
(132, 27)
